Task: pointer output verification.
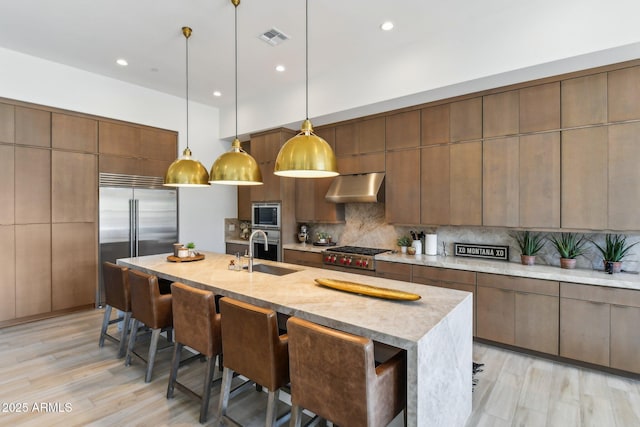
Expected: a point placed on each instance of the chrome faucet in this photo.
(266, 247)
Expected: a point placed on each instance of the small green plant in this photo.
(530, 243)
(191, 245)
(569, 245)
(615, 247)
(322, 235)
(404, 241)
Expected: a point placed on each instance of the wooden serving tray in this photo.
(173, 258)
(373, 291)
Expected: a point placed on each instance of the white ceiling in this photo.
(435, 45)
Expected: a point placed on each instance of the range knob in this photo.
(359, 263)
(327, 258)
(343, 260)
(365, 263)
(349, 261)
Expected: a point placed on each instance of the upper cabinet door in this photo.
(500, 171)
(403, 130)
(73, 187)
(623, 88)
(501, 115)
(7, 123)
(366, 136)
(74, 133)
(158, 144)
(119, 139)
(435, 125)
(584, 100)
(465, 120)
(32, 185)
(7, 186)
(33, 127)
(540, 108)
(465, 170)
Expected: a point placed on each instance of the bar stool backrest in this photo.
(116, 286)
(252, 345)
(195, 321)
(147, 305)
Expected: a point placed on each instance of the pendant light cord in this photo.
(236, 65)
(306, 26)
(187, 68)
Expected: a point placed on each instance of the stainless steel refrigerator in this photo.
(137, 217)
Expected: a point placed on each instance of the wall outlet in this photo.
(232, 227)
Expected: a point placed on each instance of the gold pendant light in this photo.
(236, 167)
(185, 171)
(306, 155)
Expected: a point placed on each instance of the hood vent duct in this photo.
(364, 188)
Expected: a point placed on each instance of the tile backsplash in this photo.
(365, 226)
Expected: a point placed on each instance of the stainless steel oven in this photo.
(274, 250)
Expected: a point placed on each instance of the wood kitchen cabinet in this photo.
(623, 92)
(501, 114)
(310, 259)
(403, 130)
(360, 146)
(74, 267)
(393, 270)
(7, 123)
(32, 185)
(135, 150)
(32, 127)
(74, 187)
(584, 100)
(599, 325)
(265, 148)
(518, 311)
(623, 156)
(7, 184)
(500, 182)
(402, 201)
(33, 269)
(447, 278)
(465, 120)
(584, 178)
(74, 133)
(540, 108)
(435, 125)
(465, 185)
(7, 273)
(434, 185)
(539, 180)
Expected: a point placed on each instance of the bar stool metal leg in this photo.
(272, 403)
(296, 416)
(105, 325)
(125, 334)
(206, 392)
(132, 341)
(225, 389)
(153, 349)
(175, 364)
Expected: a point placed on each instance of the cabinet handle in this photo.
(597, 303)
(619, 306)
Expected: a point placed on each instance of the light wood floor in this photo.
(57, 362)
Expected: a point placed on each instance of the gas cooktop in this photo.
(357, 250)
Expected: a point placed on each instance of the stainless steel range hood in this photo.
(363, 188)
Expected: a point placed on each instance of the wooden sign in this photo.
(499, 253)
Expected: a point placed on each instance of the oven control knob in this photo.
(349, 261)
(328, 258)
(344, 260)
(365, 263)
(359, 263)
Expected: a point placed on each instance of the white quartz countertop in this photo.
(544, 272)
(398, 323)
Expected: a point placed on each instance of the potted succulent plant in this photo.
(614, 250)
(403, 242)
(530, 244)
(192, 248)
(569, 246)
(323, 237)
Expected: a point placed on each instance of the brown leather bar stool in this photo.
(116, 290)
(253, 348)
(196, 325)
(151, 309)
(333, 375)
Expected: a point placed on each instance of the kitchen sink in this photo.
(272, 269)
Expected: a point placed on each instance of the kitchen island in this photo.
(435, 331)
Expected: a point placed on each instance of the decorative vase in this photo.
(568, 263)
(612, 266)
(528, 259)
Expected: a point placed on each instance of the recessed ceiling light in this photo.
(122, 62)
(386, 26)
(280, 68)
(217, 93)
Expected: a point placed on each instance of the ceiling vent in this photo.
(273, 37)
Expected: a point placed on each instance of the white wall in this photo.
(201, 211)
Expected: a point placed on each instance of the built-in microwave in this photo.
(265, 215)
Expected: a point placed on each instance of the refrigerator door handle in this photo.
(132, 227)
(136, 210)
